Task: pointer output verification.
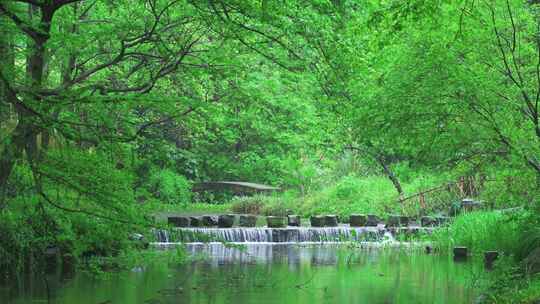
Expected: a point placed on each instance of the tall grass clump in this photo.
(481, 231)
(278, 204)
(352, 194)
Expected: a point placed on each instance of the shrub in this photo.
(170, 187)
(248, 204)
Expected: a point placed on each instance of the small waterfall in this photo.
(271, 235)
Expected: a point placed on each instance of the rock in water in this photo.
(293, 220)
(209, 220)
(178, 221)
(489, 259)
(330, 220)
(317, 221)
(195, 221)
(392, 221)
(248, 220)
(226, 220)
(357, 220)
(460, 253)
(275, 221)
(372, 220)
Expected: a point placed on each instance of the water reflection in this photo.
(276, 273)
(218, 254)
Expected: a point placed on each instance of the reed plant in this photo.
(482, 231)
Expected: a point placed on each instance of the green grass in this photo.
(481, 231)
(351, 194)
(514, 235)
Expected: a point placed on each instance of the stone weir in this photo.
(270, 235)
(282, 235)
(281, 230)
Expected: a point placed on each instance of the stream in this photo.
(270, 273)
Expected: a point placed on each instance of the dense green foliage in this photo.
(111, 111)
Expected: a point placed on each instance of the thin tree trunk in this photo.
(390, 174)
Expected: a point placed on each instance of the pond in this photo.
(272, 273)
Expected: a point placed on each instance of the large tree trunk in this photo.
(24, 137)
(10, 144)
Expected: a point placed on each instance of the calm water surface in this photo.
(265, 273)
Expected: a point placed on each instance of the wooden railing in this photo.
(464, 187)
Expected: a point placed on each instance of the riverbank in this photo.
(515, 277)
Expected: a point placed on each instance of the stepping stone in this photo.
(357, 220)
(209, 220)
(372, 220)
(226, 220)
(404, 221)
(392, 221)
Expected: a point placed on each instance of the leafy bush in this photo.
(248, 204)
(510, 188)
(29, 228)
(170, 187)
(277, 205)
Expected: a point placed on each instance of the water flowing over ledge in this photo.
(282, 235)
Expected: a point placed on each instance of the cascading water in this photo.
(272, 235)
